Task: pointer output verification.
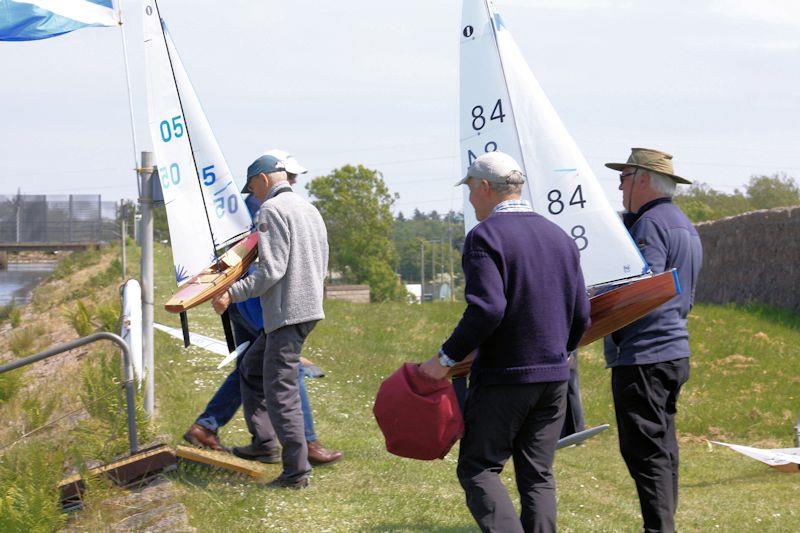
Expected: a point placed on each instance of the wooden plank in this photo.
(222, 460)
(613, 309)
(123, 472)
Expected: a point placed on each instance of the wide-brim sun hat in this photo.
(649, 159)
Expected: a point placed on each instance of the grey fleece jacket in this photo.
(292, 261)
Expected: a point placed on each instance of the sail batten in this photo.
(504, 108)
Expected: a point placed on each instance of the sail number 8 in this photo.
(169, 130)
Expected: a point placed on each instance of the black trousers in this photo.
(645, 398)
(573, 421)
(519, 421)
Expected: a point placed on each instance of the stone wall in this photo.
(752, 257)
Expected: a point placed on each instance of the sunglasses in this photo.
(623, 176)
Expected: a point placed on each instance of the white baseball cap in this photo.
(494, 167)
(289, 162)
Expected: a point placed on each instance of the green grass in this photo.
(750, 402)
(745, 374)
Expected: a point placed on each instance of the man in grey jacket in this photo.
(649, 359)
(292, 262)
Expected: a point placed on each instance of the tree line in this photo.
(370, 245)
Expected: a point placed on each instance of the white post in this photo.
(123, 208)
(146, 171)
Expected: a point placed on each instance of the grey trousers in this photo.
(270, 387)
(519, 421)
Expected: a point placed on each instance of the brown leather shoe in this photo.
(319, 456)
(204, 438)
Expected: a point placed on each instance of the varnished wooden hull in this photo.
(615, 309)
(215, 279)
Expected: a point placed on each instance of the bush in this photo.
(10, 383)
(80, 318)
(10, 312)
(107, 316)
(21, 342)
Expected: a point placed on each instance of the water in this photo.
(17, 282)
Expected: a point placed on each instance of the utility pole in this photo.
(146, 172)
(422, 271)
(450, 251)
(123, 208)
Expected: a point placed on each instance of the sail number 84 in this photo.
(556, 205)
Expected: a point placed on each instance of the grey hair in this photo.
(661, 183)
(511, 186)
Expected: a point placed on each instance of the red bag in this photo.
(419, 417)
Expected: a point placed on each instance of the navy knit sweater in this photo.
(526, 301)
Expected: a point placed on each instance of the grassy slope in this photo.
(742, 388)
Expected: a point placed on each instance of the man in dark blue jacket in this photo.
(649, 359)
(526, 309)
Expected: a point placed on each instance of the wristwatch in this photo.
(444, 360)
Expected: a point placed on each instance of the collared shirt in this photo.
(277, 188)
(513, 206)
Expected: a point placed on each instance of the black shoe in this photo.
(283, 483)
(255, 453)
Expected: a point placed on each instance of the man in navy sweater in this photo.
(526, 309)
(649, 359)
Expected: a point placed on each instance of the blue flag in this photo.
(29, 20)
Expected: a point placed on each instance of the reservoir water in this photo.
(17, 282)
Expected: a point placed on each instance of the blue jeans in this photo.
(228, 398)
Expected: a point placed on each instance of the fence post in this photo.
(146, 171)
(69, 226)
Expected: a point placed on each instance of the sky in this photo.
(376, 83)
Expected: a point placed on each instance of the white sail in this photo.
(204, 207)
(503, 108)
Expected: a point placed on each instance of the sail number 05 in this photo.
(171, 129)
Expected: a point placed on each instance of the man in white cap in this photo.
(649, 359)
(293, 261)
(526, 309)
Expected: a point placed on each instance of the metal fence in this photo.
(57, 219)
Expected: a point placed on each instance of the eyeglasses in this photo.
(623, 176)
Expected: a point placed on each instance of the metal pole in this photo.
(450, 252)
(422, 271)
(69, 235)
(126, 360)
(146, 172)
(124, 235)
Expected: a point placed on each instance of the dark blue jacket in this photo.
(526, 300)
(667, 240)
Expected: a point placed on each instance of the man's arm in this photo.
(486, 305)
(652, 244)
(580, 315)
(273, 257)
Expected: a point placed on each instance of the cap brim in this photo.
(622, 166)
(296, 169)
(462, 181)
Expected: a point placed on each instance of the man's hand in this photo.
(432, 369)
(221, 302)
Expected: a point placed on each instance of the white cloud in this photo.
(772, 11)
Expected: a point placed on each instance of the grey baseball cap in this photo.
(494, 167)
(267, 164)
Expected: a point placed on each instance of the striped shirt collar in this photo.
(513, 206)
(280, 186)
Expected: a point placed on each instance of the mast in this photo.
(188, 135)
(491, 14)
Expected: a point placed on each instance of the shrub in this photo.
(10, 383)
(80, 318)
(21, 342)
